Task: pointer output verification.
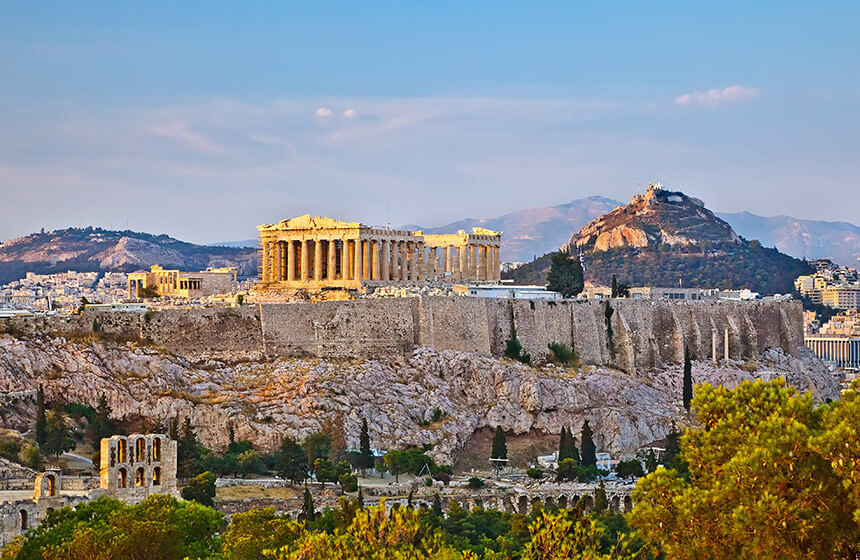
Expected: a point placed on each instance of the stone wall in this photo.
(644, 333)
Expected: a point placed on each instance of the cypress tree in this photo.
(562, 445)
(308, 514)
(565, 275)
(41, 421)
(614, 287)
(601, 502)
(437, 505)
(588, 450)
(103, 426)
(364, 447)
(360, 499)
(571, 443)
(688, 379)
(500, 447)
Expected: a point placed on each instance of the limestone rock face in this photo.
(269, 399)
(657, 217)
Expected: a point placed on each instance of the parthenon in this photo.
(314, 252)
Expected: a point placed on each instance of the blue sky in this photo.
(205, 119)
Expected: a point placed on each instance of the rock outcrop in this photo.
(270, 398)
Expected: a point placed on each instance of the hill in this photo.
(814, 239)
(666, 238)
(95, 249)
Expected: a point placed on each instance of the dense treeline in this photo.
(770, 475)
(731, 266)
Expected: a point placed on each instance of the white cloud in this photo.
(714, 97)
(323, 112)
(349, 113)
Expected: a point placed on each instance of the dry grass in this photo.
(245, 492)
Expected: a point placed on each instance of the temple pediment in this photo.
(310, 222)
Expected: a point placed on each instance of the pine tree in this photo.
(500, 447)
(308, 514)
(588, 451)
(688, 379)
(41, 421)
(364, 447)
(565, 275)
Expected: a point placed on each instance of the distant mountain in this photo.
(534, 231)
(244, 244)
(663, 238)
(95, 249)
(838, 241)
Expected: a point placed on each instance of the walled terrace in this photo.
(631, 335)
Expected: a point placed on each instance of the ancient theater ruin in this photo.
(314, 253)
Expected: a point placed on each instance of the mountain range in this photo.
(95, 249)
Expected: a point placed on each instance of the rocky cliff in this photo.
(269, 398)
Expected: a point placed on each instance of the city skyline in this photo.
(204, 123)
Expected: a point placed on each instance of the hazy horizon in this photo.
(203, 121)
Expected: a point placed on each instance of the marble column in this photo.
(368, 260)
(318, 260)
(446, 256)
(413, 261)
(304, 260)
(386, 260)
(404, 268)
(375, 247)
(462, 265)
(497, 264)
(356, 260)
(291, 261)
(344, 259)
(435, 269)
(331, 251)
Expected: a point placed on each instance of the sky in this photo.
(205, 119)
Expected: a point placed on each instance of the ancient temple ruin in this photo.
(313, 252)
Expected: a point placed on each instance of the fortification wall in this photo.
(644, 333)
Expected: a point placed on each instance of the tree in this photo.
(567, 445)
(364, 450)
(631, 468)
(103, 426)
(56, 434)
(764, 480)
(308, 513)
(558, 535)
(317, 446)
(588, 452)
(565, 275)
(601, 502)
(41, 422)
(187, 451)
(397, 462)
(291, 461)
(568, 469)
(500, 447)
(688, 379)
(437, 505)
(250, 533)
(201, 489)
(619, 290)
(614, 293)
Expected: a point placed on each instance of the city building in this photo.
(316, 253)
(505, 291)
(833, 286)
(836, 351)
(173, 283)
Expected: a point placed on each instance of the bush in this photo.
(629, 468)
(349, 482)
(475, 483)
(514, 350)
(428, 481)
(201, 489)
(560, 353)
(535, 473)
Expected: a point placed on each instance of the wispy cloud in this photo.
(182, 132)
(323, 112)
(713, 97)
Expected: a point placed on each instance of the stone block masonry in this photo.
(644, 334)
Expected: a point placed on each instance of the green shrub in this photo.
(535, 473)
(560, 353)
(475, 483)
